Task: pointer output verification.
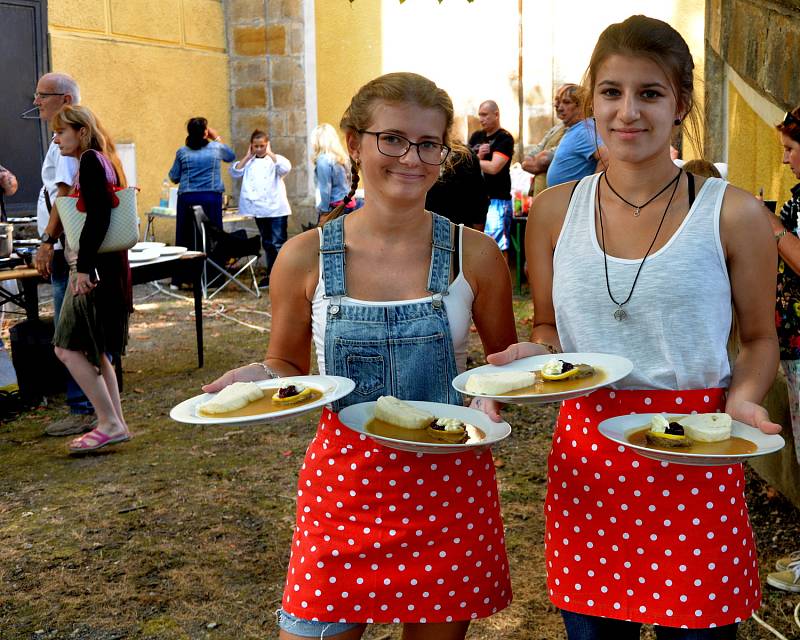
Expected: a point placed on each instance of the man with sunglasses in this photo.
(494, 147)
(53, 91)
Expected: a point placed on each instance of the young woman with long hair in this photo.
(645, 261)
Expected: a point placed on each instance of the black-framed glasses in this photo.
(396, 146)
(790, 119)
(39, 95)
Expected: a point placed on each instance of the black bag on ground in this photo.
(39, 372)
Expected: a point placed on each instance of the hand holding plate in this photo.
(516, 352)
(248, 373)
(753, 414)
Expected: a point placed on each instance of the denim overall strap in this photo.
(441, 258)
(332, 254)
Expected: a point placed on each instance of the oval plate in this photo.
(618, 429)
(615, 368)
(332, 387)
(356, 417)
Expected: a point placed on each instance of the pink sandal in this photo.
(95, 440)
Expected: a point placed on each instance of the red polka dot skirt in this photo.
(637, 539)
(391, 536)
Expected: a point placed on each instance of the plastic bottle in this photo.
(165, 189)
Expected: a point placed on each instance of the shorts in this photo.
(498, 222)
(312, 628)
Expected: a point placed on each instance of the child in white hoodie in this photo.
(263, 195)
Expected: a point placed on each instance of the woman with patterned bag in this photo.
(94, 318)
(383, 535)
(645, 261)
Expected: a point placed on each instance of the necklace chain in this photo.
(620, 314)
(637, 208)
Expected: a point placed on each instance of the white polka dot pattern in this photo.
(632, 538)
(390, 536)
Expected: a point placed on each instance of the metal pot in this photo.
(6, 239)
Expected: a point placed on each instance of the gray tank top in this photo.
(679, 316)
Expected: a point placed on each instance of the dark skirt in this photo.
(97, 323)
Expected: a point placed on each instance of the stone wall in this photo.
(266, 44)
(760, 40)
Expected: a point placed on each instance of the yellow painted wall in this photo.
(755, 152)
(145, 68)
(349, 52)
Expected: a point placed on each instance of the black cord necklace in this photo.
(637, 208)
(620, 314)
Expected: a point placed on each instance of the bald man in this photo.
(494, 147)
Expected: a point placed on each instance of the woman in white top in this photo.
(263, 195)
(645, 261)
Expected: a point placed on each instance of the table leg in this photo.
(30, 292)
(198, 314)
(518, 255)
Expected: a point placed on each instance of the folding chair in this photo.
(224, 253)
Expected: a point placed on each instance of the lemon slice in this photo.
(304, 394)
(561, 376)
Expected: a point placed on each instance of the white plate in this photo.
(618, 429)
(142, 256)
(143, 246)
(172, 251)
(615, 368)
(332, 387)
(356, 417)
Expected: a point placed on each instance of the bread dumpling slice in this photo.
(233, 397)
(492, 384)
(401, 414)
(707, 427)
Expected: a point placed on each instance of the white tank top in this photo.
(457, 303)
(679, 316)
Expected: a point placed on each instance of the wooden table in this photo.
(186, 267)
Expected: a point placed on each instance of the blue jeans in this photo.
(498, 222)
(311, 628)
(185, 228)
(76, 400)
(584, 627)
(273, 236)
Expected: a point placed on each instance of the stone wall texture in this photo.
(268, 87)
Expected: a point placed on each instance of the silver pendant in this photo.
(620, 314)
(636, 212)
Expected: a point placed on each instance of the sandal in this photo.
(783, 563)
(95, 440)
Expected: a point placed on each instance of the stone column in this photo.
(266, 41)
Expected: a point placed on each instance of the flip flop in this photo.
(97, 440)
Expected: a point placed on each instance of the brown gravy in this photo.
(263, 405)
(558, 386)
(731, 446)
(388, 430)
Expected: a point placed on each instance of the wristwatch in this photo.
(46, 238)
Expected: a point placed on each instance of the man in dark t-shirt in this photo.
(494, 147)
(460, 193)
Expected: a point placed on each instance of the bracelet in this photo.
(779, 235)
(266, 369)
(550, 348)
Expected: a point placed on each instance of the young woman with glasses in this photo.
(646, 261)
(387, 295)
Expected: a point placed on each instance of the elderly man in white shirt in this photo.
(263, 195)
(53, 91)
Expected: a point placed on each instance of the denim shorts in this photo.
(310, 628)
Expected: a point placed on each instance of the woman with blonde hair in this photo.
(331, 170)
(383, 535)
(94, 315)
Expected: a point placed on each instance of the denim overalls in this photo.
(403, 350)
(383, 535)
